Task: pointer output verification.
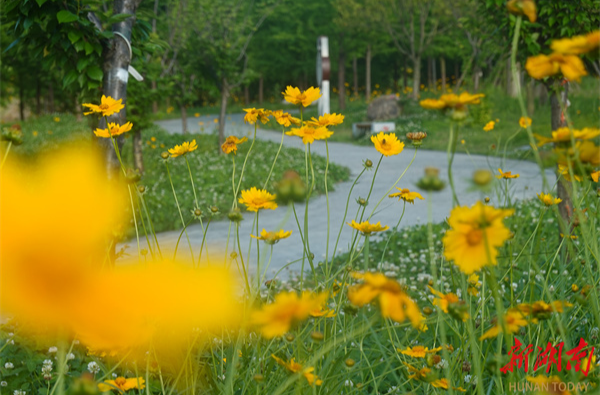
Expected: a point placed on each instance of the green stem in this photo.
(275, 161)
(6, 154)
(450, 154)
(179, 209)
(366, 251)
(243, 169)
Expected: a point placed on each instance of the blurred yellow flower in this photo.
(474, 232)
(440, 383)
(310, 134)
(197, 114)
(419, 351)
(295, 367)
(56, 119)
(524, 122)
(542, 66)
(185, 148)
(287, 310)
(285, 118)
(506, 175)
(541, 309)
(323, 312)
(366, 228)
(523, 7)
(256, 199)
(514, 319)
(551, 382)
(595, 175)
(231, 143)
(407, 195)
(444, 301)
(417, 374)
(452, 100)
(122, 384)
(272, 237)
(547, 199)
(473, 284)
(394, 303)
(294, 96)
(326, 120)
(489, 126)
(577, 45)
(387, 144)
(253, 114)
(563, 135)
(108, 106)
(114, 129)
(564, 171)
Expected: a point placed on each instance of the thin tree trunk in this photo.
(50, 108)
(21, 100)
(137, 151)
(434, 74)
(405, 74)
(368, 74)
(416, 78)
(116, 62)
(38, 98)
(184, 123)
(429, 74)
(78, 110)
(443, 71)
(565, 208)
(395, 74)
(342, 76)
(476, 73)
(456, 70)
(224, 95)
(154, 103)
(246, 95)
(260, 90)
(355, 75)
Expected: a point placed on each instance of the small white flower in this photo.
(3, 384)
(10, 341)
(93, 367)
(348, 383)
(53, 349)
(8, 365)
(442, 364)
(114, 375)
(70, 356)
(19, 392)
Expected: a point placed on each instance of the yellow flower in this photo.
(541, 309)
(563, 135)
(419, 351)
(288, 309)
(473, 233)
(285, 118)
(586, 151)
(564, 171)
(169, 110)
(183, 149)
(552, 383)
(506, 175)
(114, 129)
(417, 374)
(256, 199)
(323, 312)
(473, 284)
(108, 106)
(231, 143)
(152, 138)
(452, 101)
(407, 195)
(444, 301)
(489, 126)
(310, 134)
(295, 367)
(542, 66)
(272, 237)
(366, 228)
(326, 120)
(56, 119)
(524, 122)
(514, 321)
(197, 114)
(548, 200)
(387, 144)
(440, 383)
(122, 384)
(523, 7)
(393, 301)
(253, 114)
(595, 175)
(35, 133)
(294, 96)
(577, 45)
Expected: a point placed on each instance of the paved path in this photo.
(351, 156)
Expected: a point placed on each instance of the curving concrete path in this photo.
(352, 156)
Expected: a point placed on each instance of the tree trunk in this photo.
(405, 74)
(355, 75)
(565, 208)
(429, 74)
(246, 95)
(395, 75)
(416, 78)
(38, 98)
(260, 90)
(154, 103)
(184, 123)
(368, 74)
(443, 71)
(342, 76)
(50, 104)
(21, 100)
(476, 72)
(531, 97)
(116, 62)
(224, 95)
(78, 110)
(456, 70)
(138, 158)
(434, 74)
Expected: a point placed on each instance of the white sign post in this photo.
(323, 72)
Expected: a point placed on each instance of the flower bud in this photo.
(164, 155)
(427, 310)
(233, 255)
(350, 362)
(482, 177)
(290, 337)
(317, 336)
(487, 199)
(235, 215)
(132, 176)
(141, 189)
(368, 164)
(416, 138)
(258, 378)
(198, 212)
(361, 201)
(214, 209)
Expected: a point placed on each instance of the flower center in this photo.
(103, 106)
(120, 381)
(383, 142)
(474, 237)
(405, 191)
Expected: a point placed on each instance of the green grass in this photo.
(211, 171)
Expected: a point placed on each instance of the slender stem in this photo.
(179, 209)
(275, 161)
(6, 154)
(137, 235)
(450, 154)
(243, 169)
(366, 251)
(328, 214)
(202, 244)
(257, 256)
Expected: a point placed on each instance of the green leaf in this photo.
(118, 18)
(65, 16)
(88, 48)
(70, 78)
(41, 2)
(82, 64)
(79, 45)
(74, 36)
(95, 73)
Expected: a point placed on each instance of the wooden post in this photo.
(416, 78)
